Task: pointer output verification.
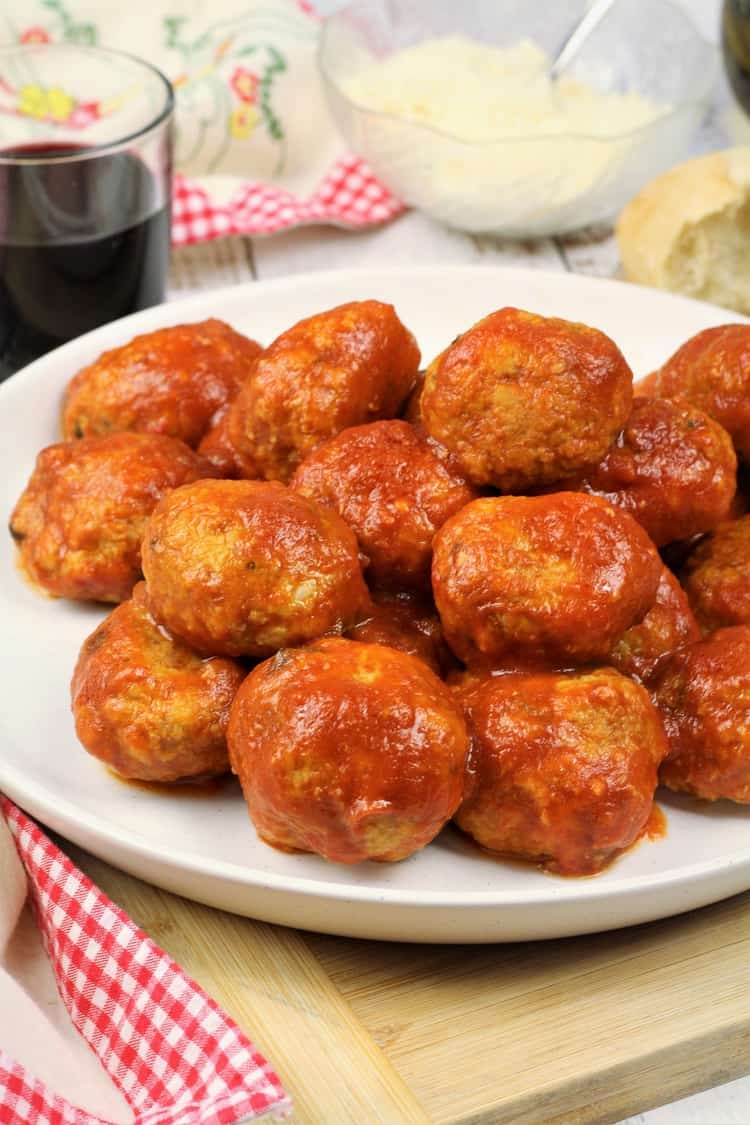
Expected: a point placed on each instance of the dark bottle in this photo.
(735, 45)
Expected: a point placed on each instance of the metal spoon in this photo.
(578, 36)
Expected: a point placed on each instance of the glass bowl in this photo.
(524, 186)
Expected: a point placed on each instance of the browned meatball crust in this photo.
(237, 566)
(673, 468)
(350, 365)
(712, 370)
(703, 694)
(716, 577)
(565, 766)
(171, 381)
(148, 706)
(79, 522)
(525, 400)
(394, 489)
(559, 577)
(352, 751)
(643, 648)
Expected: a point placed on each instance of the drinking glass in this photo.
(85, 189)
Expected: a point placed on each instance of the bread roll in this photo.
(689, 230)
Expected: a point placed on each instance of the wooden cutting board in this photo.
(366, 1033)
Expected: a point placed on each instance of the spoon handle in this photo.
(579, 35)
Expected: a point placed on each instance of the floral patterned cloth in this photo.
(251, 113)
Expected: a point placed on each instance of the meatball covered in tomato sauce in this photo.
(408, 621)
(672, 467)
(171, 381)
(565, 767)
(559, 577)
(716, 577)
(236, 566)
(79, 522)
(148, 706)
(703, 694)
(712, 370)
(394, 487)
(218, 448)
(523, 400)
(670, 623)
(353, 751)
(344, 367)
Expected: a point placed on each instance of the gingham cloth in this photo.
(174, 1055)
(349, 196)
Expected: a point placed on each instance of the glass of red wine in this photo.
(85, 188)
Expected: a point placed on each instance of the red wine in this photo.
(82, 242)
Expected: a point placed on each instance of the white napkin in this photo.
(34, 1026)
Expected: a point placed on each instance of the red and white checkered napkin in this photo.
(349, 196)
(175, 1056)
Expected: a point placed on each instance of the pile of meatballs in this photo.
(504, 591)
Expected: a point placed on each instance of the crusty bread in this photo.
(689, 230)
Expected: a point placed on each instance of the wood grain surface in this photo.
(580, 1030)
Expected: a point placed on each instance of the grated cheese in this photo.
(478, 92)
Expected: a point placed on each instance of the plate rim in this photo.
(583, 889)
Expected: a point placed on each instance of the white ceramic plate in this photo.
(203, 846)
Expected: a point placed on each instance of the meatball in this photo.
(146, 705)
(703, 694)
(409, 622)
(393, 488)
(171, 381)
(349, 750)
(239, 566)
(648, 387)
(559, 577)
(672, 467)
(80, 519)
(525, 400)
(712, 370)
(350, 365)
(669, 623)
(565, 767)
(716, 577)
(218, 448)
